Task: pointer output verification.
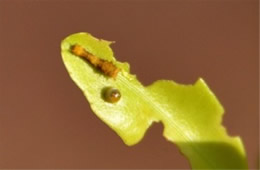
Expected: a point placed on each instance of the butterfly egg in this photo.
(111, 95)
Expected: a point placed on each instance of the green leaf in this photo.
(191, 114)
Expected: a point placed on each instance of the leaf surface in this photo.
(191, 114)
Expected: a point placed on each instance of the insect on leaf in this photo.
(191, 114)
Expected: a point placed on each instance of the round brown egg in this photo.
(112, 95)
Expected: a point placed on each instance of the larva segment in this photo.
(107, 67)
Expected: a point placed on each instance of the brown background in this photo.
(45, 121)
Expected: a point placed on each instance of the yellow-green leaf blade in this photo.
(193, 122)
(191, 114)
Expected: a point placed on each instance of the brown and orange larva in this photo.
(107, 67)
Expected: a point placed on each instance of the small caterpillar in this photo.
(107, 67)
(111, 95)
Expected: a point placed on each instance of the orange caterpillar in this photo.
(107, 67)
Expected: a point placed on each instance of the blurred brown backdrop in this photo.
(45, 121)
